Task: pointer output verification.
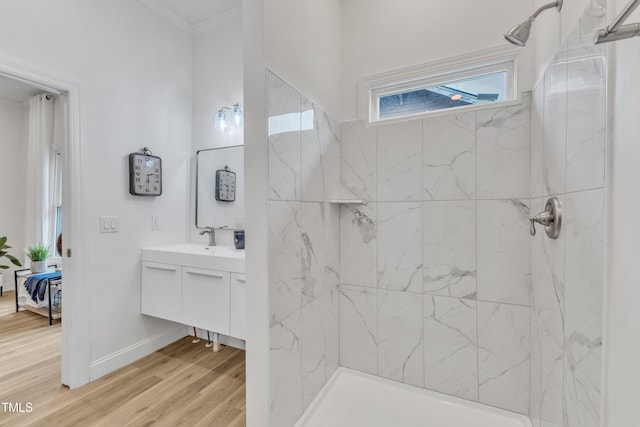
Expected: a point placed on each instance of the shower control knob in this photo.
(550, 218)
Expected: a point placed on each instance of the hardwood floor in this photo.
(183, 384)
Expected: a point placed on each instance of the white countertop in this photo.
(225, 258)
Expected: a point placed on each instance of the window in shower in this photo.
(484, 79)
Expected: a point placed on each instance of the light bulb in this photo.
(221, 121)
(237, 116)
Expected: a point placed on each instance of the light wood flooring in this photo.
(183, 384)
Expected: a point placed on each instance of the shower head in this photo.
(519, 34)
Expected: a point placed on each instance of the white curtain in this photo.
(39, 171)
(55, 192)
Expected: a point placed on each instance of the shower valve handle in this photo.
(544, 218)
(550, 218)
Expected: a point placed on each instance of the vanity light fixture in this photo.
(519, 34)
(237, 115)
(221, 121)
(237, 118)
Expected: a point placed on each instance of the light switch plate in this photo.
(109, 224)
(155, 222)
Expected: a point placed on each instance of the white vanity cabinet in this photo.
(238, 326)
(161, 290)
(196, 286)
(205, 299)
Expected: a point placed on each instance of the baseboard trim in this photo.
(130, 354)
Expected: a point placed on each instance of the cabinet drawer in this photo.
(205, 299)
(238, 326)
(161, 290)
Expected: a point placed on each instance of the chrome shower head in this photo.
(519, 34)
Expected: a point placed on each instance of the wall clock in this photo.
(145, 174)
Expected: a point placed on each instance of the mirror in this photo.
(219, 213)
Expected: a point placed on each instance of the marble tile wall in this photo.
(434, 280)
(568, 156)
(304, 174)
(435, 264)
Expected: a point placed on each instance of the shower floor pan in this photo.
(355, 399)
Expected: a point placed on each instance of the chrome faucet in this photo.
(211, 231)
(212, 235)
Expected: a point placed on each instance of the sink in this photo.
(226, 258)
(200, 249)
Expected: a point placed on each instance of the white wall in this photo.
(302, 41)
(217, 82)
(14, 118)
(135, 70)
(257, 265)
(622, 341)
(380, 36)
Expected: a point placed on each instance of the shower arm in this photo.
(556, 4)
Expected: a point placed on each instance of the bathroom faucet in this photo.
(212, 235)
(211, 231)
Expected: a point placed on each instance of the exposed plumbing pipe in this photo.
(216, 343)
(195, 334)
(209, 343)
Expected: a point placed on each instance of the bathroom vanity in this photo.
(197, 285)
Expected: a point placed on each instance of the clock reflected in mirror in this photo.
(225, 185)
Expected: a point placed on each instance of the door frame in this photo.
(76, 328)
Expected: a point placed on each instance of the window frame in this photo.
(502, 59)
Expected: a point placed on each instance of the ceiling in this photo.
(194, 14)
(14, 90)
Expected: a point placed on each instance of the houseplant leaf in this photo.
(5, 254)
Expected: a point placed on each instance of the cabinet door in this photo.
(205, 299)
(238, 327)
(161, 290)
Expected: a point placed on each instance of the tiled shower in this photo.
(440, 299)
(434, 280)
(304, 243)
(568, 144)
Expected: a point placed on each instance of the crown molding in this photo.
(199, 28)
(168, 15)
(210, 24)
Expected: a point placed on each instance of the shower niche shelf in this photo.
(346, 201)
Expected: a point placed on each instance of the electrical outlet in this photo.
(155, 222)
(109, 224)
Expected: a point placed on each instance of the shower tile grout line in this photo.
(475, 135)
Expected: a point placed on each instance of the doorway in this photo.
(75, 357)
(31, 142)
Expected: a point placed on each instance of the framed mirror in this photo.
(224, 212)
